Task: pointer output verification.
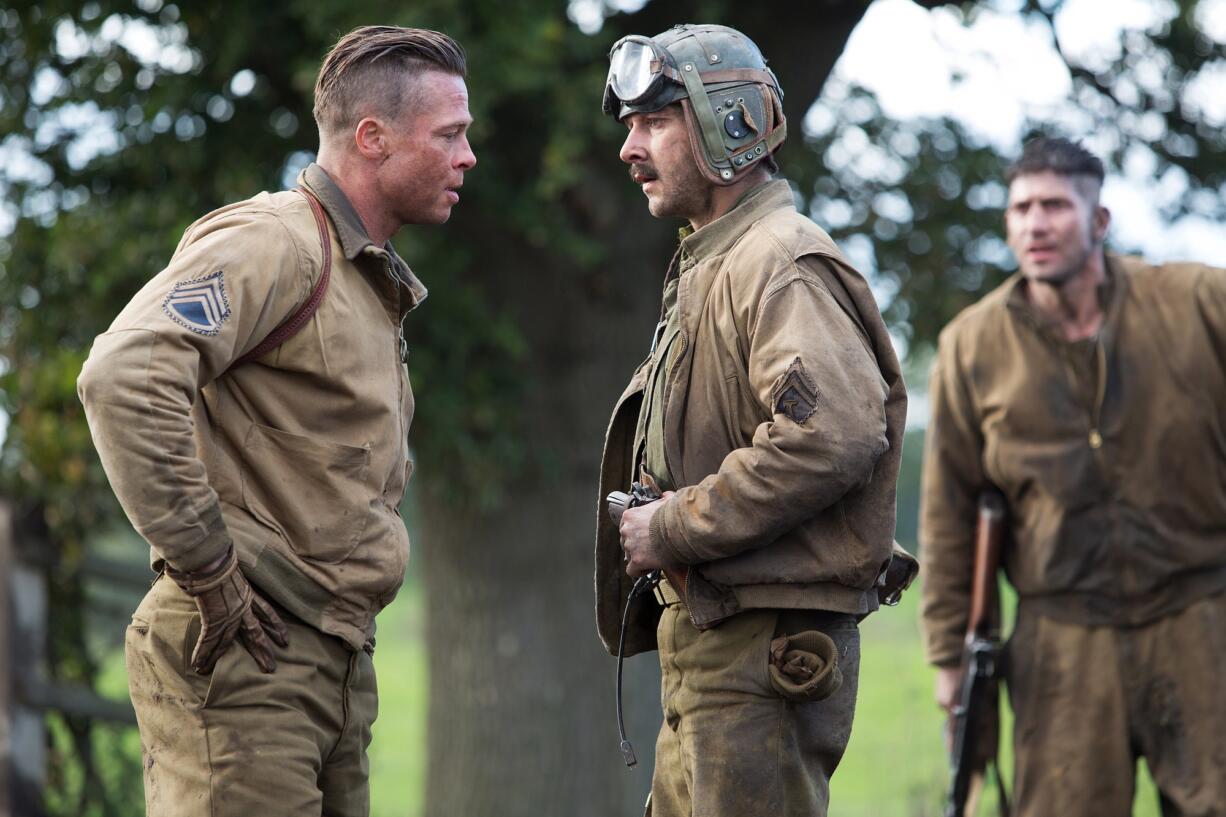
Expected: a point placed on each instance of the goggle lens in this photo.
(630, 70)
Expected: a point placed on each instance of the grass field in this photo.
(895, 765)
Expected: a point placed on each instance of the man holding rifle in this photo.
(1089, 389)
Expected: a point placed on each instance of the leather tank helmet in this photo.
(732, 102)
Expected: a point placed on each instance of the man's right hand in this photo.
(229, 608)
(948, 684)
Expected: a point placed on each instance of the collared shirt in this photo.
(667, 346)
(783, 415)
(1109, 452)
(299, 459)
(351, 232)
(665, 349)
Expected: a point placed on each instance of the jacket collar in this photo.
(350, 230)
(717, 237)
(1111, 293)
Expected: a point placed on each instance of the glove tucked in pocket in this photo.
(805, 666)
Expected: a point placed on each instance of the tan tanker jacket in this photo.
(1111, 452)
(300, 457)
(783, 418)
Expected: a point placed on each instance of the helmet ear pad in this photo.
(761, 112)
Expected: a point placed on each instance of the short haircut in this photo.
(1063, 157)
(364, 74)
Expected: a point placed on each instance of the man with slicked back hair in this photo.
(251, 406)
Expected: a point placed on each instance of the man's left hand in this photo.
(642, 556)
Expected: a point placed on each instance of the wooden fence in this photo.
(27, 693)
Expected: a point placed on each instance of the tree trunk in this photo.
(522, 718)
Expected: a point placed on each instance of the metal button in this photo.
(1096, 439)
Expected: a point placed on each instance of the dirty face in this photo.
(1053, 224)
(427, 152)
(657, 148)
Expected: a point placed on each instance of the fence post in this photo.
(24, 593)
(6, 663)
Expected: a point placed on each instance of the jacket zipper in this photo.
(682, 336)
(402, 352)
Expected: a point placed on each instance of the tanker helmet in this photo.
(732, 102)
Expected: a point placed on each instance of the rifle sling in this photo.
(294, 323)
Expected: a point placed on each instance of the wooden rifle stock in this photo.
(989, 537)
(975, 714)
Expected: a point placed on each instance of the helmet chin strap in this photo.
(700, 106)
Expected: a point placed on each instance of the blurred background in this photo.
(122, 122)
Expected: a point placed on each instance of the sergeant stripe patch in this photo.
(200, 305)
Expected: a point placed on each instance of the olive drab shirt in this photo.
(300, 458)
(1111, 452)
(665, 350)
(783, 414)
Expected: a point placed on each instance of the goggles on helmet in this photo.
(637, 67)
(731, 100)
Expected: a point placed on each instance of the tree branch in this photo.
(1034, 7)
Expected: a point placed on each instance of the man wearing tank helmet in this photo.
(769, 416)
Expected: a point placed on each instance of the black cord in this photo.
(641, 585)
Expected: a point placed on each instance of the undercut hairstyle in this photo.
(371, 71)
(1064, 157)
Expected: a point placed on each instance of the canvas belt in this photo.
(667, 594)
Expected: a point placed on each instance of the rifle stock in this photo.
(975, 713)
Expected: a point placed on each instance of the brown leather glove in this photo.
(230, 607)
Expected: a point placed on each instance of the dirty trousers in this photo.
(730, 745)
(1089, 700)
(239, 742)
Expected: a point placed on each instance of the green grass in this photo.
(895, 765)
(398, 747)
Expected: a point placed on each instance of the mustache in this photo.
(644, 170)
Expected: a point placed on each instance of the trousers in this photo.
(1088, 701)
(733, 745)
(239, 742)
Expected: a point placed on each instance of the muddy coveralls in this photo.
(773, 404)
(1111, 453)
(299, 459)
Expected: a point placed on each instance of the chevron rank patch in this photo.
(795, 395)
(200, 305)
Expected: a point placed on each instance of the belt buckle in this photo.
(659, 592)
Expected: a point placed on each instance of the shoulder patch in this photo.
(200, 305)
(794, 394)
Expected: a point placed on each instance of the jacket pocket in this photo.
(314, 491)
